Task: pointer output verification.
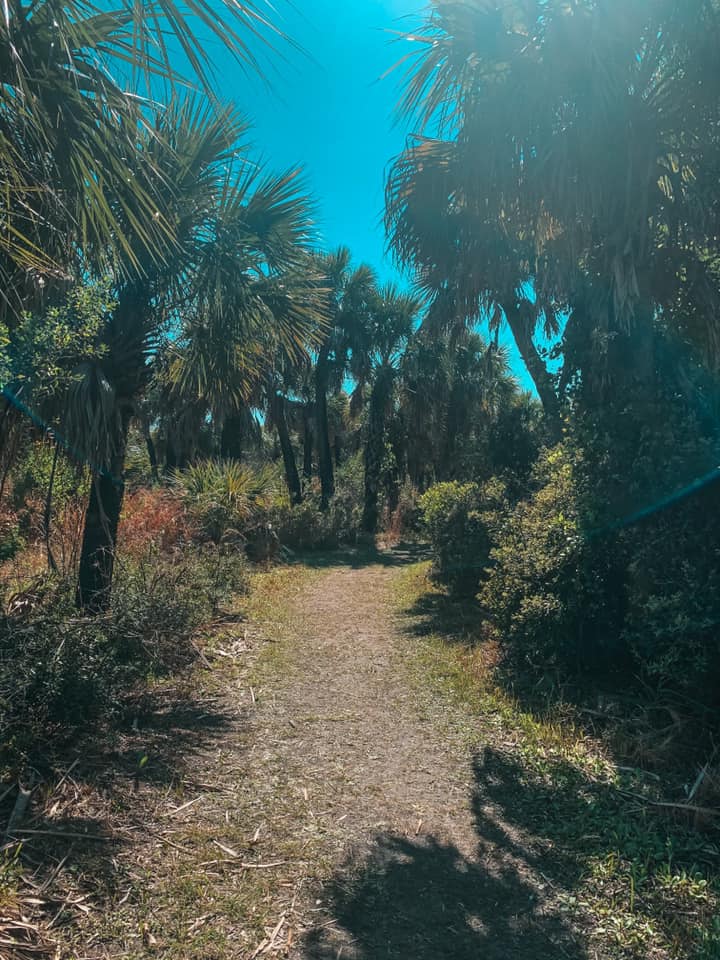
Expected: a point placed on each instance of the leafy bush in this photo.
(553, 592)
(60, 673)
(673, 590)
(225, 499)
(159, 600)
(305, 527)
(11, 540)
(459, 519)
(57, 674)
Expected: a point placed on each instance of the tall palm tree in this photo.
(350, 291)
(69, 125)
(237, 234)
(453, 391)
(377, 345)
(515, 104)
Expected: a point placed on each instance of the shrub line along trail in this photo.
(380, 781)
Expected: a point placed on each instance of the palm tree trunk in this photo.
(288, 453)
(97, 555)
(325, 464)
(151, 452)
(231, 438)
(374, 452)
(307, 443)
(523, 336)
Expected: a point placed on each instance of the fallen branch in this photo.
(185, 806)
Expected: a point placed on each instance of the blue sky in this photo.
(328, 109)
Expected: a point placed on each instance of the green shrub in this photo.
(406, 518)
(305, 527)
(672, 624)
(554, 592)
(459, 519)
(57, 675)
(159, 600)
(11, 539)
(226, 499)
(60, 673)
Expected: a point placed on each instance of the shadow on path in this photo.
(364, 555)
(425, 899)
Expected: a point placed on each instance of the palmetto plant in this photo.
(225, 497)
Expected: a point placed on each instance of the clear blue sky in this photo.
(328, 109)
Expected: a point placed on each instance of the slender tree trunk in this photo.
(231, 439)
(523, 336)
(288, 453)
(151, 452)
(307, 443)
(47, 513)
(325, 465)
(337, 450)
(374, 449)
(97, 554)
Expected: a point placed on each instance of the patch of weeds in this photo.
(640, 884)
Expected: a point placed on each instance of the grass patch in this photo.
(640, 884)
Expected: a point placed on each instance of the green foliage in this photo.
(551, 591)
(307, 527)
(31, 476)
(225, 498)
(160, 600)
(60, 673)
(460, 519)
(406, 519)
(46, 350)
(56, 676)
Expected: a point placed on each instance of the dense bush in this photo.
(305, 527)
(553, 593)
(56, 675)
(460, 519)
(60, 673)
(672, 624)
(584, 580)
(406, 519)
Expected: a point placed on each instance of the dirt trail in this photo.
(416, 861)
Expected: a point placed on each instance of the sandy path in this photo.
(417, 862)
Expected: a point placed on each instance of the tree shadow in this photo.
(439, 613)
(98, 795)
(514, 893)
(363, 555)
(429, 900)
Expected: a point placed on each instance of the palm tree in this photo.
(454, 388)
(70, 202)
(377, 345)
(510, 193)
(471, 261)
(350, 292)
(227, 276)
